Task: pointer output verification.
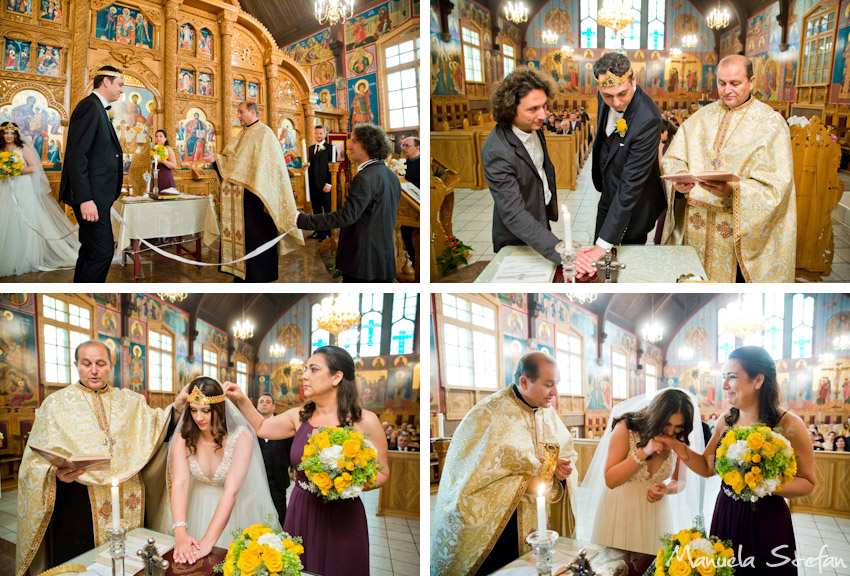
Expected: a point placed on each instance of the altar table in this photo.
(145, 219)
(604, 561)
(650, 264)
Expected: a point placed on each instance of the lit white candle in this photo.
(303, 151)
(568, 228)
(116, 506)
(441, 425)
(541, 511)
(155, 161)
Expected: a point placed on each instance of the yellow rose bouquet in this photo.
(262, 551)
(160, 151)
(11, 164)
(690, 552)
(339, 462)
(754, 462)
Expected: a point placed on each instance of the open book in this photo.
(61, 459)
(697, 177)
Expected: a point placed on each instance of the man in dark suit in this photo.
(625, 161)
(276, 459)
(573, 123)
(410, 150)
(403, 443)
(366, 252)
(92, 174)
(319, 174)
(517, 167)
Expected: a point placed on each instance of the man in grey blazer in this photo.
(517, 167)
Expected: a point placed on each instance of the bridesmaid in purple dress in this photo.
(336, 538)
(166, 177)
(763, 529)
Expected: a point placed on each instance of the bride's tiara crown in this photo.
(198, 397)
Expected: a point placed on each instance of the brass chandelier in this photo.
(173, 296)
(338, 315)
(516, 12)
(690, 40)
(243, 329)
(334, 11)
(583, 298)
(744, 316)
(550, 37)
(718, 19)
(615, 14)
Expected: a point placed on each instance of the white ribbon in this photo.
(23, 216)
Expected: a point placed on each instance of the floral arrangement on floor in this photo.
(160, 151)
(262, 551)
(455, 254)
(398, 165)
(339, 462)
(690, 552)
(754, 462)
(11, 164)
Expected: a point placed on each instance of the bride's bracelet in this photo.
(637, 460)
(176, 525)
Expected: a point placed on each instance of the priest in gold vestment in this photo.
(64, 512)
(504, 449)
(257, 203)
(744, 230)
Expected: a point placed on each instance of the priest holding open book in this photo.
(739, 212)
(63, 512)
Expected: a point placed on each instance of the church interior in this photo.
(187, 65)
(799, 51)
(612, 347)
(261, 342)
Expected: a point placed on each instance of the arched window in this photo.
(568, 347)
(161, 360)
(774, 324)
(725, 339)
(210, 361)
(405, 307)
(66, 322)
(470, 37)
(651, 377)
(469, 357)
(802, 325)
(509, 55)
(619, 374)
(655, 24)
(371, 314)
(318, 337)
(399, 53)
(589, 26)
(241, 364)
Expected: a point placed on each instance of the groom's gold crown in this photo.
(110, 73)
(610, 79)
(198, 397)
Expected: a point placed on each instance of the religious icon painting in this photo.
(127, 163)
(205, 84)
(35, 119)
(19, 6)
(205, 43)
(114, 347)
(17, 55)
(195, 138)
(51, 10)
(137, 331)
(289, 143)
(366, 27)
(324, 72)
(327, 96)
(239, 90)
(186, 81)
(137, 367)
(124, 25)
(18, 301)
(253, 92)
(312, 49)
(363, 104)
(362, 61)
(48, 60)
(187, 37)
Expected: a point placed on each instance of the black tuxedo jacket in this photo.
(319, 172)
(412, 173)
(366, 222)
(93, 167)
(276, 459)
(626, 172)
(520, 213)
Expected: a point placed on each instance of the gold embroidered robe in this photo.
(756, 226)
(254, 161)
(491, 458)
(74, 419)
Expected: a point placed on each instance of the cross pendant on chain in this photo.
(109, 442)
(716, 162)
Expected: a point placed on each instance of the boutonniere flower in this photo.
(111, 116)
(322, 148)
(622, 127)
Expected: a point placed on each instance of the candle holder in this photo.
(155, 181)
(117, 545)
(568, 260)
(543, 545)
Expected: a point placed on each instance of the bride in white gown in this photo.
(638, 489)
(217, 479)
(34, 232)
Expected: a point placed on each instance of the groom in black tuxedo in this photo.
(319, 173)
(276, 459)
(92, 174)
(625, 161)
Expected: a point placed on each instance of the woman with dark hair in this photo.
(35, 234)
(840, 444)
(635, 480)
(218, 478)
(165, 180)
(762, 529)
(336, 537)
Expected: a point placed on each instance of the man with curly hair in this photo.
(519, 173)
(625, 161)
(367, 219)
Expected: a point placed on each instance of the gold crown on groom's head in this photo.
(198, 397)
(610, 79)
(110, 73)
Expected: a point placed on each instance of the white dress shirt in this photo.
(535, 149)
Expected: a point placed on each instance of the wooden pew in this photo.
(400, 495)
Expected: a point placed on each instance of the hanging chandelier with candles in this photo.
(567, 51)
(718, 19)
(296, 362)
(516, 12)
(841, 342)
(338, 314)
(333, 12)
(243, 329)
(615, 14)
(550, 37)
(745, 316)
(685, 353)
(690, 40)
(277, 351)
(653, 332)
(582, 298)
(675, 52)
(173, 296)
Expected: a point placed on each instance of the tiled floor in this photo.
(393, 542)
(473, 221)
(812, 533)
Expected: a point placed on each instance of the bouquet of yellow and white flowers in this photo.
(754, 462)
(11, 164)
(339, 462)
(159, 151)
(262, 551)
(691, 553)
(398, 165)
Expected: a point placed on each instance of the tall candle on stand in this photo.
(441, 425)
(116, 507)
(568, 229)
(541, 511)
(303, 151)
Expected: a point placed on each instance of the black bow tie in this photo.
(109, 107)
